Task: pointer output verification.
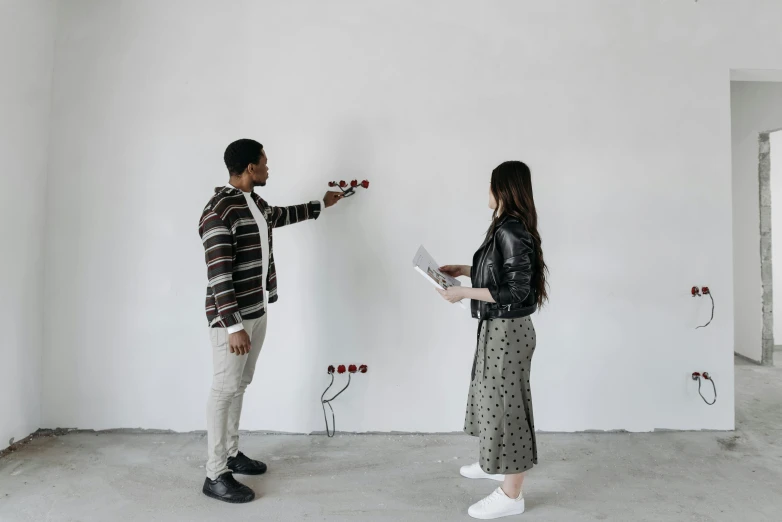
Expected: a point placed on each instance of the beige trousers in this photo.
(232, 374)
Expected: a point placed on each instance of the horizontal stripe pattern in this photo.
(234, 259)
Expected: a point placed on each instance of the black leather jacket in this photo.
(505, 264)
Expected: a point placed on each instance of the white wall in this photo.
(755, 107)
(26, 53)
(622, 109)
(776, 228)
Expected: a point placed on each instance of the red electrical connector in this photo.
(353, 186)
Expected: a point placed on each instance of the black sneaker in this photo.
(243, 465)
(227, 489)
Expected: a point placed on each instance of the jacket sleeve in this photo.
(282, 216)
(218, 247)
(511, 283)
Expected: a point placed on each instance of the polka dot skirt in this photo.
(499, 407)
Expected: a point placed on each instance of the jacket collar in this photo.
(505, 218)
(229, 188)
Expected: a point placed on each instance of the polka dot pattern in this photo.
(499, 406)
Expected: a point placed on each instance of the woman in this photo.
(508, 284)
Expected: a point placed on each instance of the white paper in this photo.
(425, 265)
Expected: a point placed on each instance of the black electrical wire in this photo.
(323, 404)
(712, 312)
(327, 402)
(701, 394)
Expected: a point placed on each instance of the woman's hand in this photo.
(456, 270)
(453, 294)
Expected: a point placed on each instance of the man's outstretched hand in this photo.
(331, 198)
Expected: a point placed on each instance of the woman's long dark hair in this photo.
(511, 184)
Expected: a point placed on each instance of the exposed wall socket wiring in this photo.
(700, 292)
(697, 376)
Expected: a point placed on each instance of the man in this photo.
(236, 230)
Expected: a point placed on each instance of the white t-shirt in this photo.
(263, 228)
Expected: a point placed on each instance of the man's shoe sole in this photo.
(229, 500)
(237, 472)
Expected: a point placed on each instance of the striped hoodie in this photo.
(232, 244)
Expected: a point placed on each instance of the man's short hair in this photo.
(241, 153)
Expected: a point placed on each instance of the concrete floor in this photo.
(665, 476)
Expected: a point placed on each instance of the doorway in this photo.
(756, 122)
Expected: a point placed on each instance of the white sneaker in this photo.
(497, 505)
(474, 471)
